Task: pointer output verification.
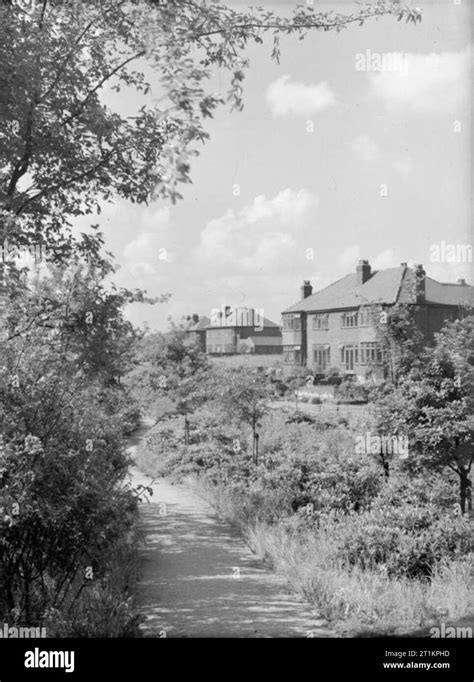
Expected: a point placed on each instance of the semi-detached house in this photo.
(334, 328)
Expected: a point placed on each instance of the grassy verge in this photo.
(354, 601)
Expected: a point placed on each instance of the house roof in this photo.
(199, 326)
(264, 340)
(385, 287)
(451, 294)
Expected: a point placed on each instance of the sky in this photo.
(337, 156)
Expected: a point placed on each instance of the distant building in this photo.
(334, 328)
(260, 345)
(196, 328)
(242, 330)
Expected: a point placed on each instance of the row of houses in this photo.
(235, 330)
(338, 327)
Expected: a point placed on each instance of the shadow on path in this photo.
(200, 579)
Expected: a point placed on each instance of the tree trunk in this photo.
(254, 439)
(385, 466)
(465, 491)
(186, 430)
(186, 425)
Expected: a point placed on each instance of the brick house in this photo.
(196, 329)
(242, 330)
(334, 329)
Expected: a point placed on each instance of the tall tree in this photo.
(433, 405)
(245, 395)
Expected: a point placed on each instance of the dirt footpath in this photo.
(200, 579)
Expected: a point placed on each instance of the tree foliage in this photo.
(433, 405)
(63, 414)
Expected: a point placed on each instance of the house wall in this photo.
(267, 350)
(226, 339)
(199, 337)
(337, 335)
(220, 340)
(430, 319)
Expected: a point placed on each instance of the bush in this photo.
(406, 541)
(349, 391)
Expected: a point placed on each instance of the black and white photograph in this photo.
(236, 335)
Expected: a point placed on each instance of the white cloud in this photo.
(366, 148)
(403, 165)
(349, 257)
(449, 272)
(384, 259)
(269, 251)
(429, 82)
(146, 255)
(298, 99)
(259, 236)
(285, 205)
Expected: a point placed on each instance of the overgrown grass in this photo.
(374, 556)
(248, 360)
(151, 453)
(354, 601)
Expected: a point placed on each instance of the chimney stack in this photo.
(461, 281)
(420, 283)
(306, 289)
(363, 271)
(195, 318)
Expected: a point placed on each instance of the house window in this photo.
(364, 317)
(291, 355)
(349, 319)
(321, 357)
(370, 353)
(321, 321)
(349, 357)
(292, 322)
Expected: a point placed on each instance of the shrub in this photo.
(406, 541)
(351, 391)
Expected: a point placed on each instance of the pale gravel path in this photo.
(188, 587)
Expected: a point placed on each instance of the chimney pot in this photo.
(306, 289)
(195, 317)
(363, 271)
